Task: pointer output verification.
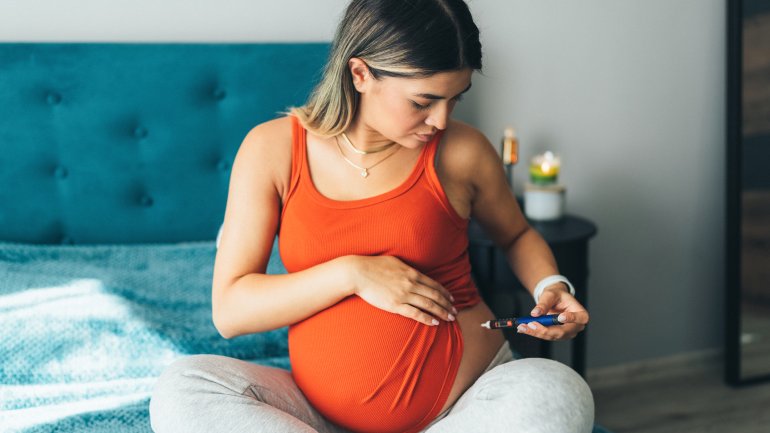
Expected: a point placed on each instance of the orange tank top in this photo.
(363, 368)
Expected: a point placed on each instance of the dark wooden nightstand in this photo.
(568, 238)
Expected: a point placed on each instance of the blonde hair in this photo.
(396, 38)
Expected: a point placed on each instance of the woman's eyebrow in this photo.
(432, 96)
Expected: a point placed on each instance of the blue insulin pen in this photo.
(547, 320)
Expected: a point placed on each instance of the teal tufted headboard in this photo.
(133, 143)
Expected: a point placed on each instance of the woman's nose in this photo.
(438, 118)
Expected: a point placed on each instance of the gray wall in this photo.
(630, 93)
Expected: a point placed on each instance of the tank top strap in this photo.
(297, 156)
(430, 153)
(432, 178)
(298, 149)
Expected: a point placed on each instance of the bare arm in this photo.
(244, 298)
(529, 256)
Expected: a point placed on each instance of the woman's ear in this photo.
(361, 75)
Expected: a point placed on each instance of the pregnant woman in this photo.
(370, 186)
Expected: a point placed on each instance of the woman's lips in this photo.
(424, 137)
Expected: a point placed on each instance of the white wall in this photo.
(630, 93)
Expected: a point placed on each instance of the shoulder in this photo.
(272, 134)
(266, 149)
(460, 135)
(464, 150)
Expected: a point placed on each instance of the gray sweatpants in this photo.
(209, 393)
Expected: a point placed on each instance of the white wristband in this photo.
(549, 281)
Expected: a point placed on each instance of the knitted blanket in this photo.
(86, 330)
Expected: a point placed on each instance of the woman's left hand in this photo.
(572, 315)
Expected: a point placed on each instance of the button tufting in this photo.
(223, 165)
(219, 94)
(53, 98)
(140, 132)
(61, 172)
(146, 201)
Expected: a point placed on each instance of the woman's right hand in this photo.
(391, 285)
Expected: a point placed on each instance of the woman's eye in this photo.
(425, 107)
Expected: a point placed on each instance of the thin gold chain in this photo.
(364, 170)
(365, 152)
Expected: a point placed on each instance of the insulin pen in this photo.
(547, 320)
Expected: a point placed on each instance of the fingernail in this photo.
(451, 317)
(535, 311)
(454, 310)
(451, 298)
(532, 325)
(435, 322)
(562, 318)
(521, 328)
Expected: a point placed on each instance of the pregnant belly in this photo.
(373, 371)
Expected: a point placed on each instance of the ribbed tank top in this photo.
(364, 368)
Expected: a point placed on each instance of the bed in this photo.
(114, 168)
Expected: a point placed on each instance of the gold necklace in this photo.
(364, 170)
(366, 152)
